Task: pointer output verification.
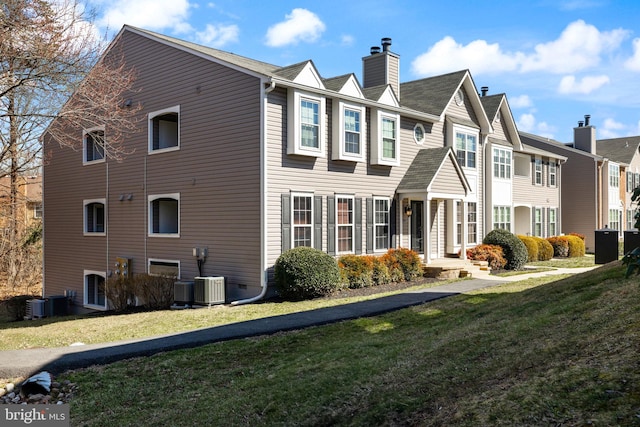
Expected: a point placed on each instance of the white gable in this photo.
(388, 98)
(352, 88)
(309, 77)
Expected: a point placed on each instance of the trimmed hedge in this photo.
(493, 254)
(560, 246)
(514, 250)
(576, 246)
(397, 265)
(304, 273)
(532, 247)
(545, 250)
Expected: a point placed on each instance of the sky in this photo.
(556, 60)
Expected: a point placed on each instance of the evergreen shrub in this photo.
(514, 250)
(305, 273)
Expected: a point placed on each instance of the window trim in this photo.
(377, 141)
(294, 124)
(150, 199)
(85, 204)
(537, 222)
(175, 261)
(424, 133)
(85, 133)
(85, 293)
(554, 222)
(497, 210)
(537, 161)
(507, 167)
(310, 225)
(376, 224)
(339, 146)
(466, 131)
(151, 116)
(38, 211)
(473, 223)
(351, 225)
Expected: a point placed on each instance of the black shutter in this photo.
(286, 222)
(393, 217)
(317, 222)
(369, 215)
(357, 247)
(331, 225)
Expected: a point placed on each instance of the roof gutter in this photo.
(266, 87)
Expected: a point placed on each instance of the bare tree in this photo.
(56, 76)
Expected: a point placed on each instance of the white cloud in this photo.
(218, 36)
(148, 14)
(611, 129)
(528, 123)
(299, 25)
(588, 84)
(478, 56)
(522, 101)
(578, 47)
(347, 40)
(633, 63)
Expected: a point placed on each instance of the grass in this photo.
(61, 331)
(527, 353)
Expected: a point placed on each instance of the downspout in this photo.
(263, 196)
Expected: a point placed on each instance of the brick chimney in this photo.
(382, 67)
(584, 136)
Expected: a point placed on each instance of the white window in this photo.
(502, 217)
(472, 222)
(501, 163)
(164, 215)
(94, 217)
(345, 224)
(418, 134)
(381, 224)
(93, 143)
(164, 130)
(302, 215)
(458, 223)
(538, 171)
(306, 124)
(614, 219)
(614, 176)
(94, 289)
(37, 210)
(553, 222)
(164, 267)
(630, 219)
(385, 133)
(466, 147)
(348, 132)
(553, 172)
(537, 222)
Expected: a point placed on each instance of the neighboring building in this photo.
(29, 200)
(593, 193)
(248, 159)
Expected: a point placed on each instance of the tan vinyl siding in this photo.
(216, 172)
(447, 180)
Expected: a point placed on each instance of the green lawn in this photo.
(528, 353)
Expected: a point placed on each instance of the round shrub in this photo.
(403, 264)
(493, 254)
(545, 250)
(381, 274)
(356, 271)
(560, 246)
(514, 250)
(576, 246)
(304, 273)
(532, 247)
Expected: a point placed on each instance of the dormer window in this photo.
(466, 147)
(306, 118)
(348, 132)
(385, 143)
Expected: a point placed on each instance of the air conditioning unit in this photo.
(35, 308)
(208, 290)
(183, 293)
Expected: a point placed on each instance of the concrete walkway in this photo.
(16, 363)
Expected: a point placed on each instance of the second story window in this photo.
(164, 215)
(501, 163)
(164, 130)
(93, 146)
(538, 171)
(310, 123)
(614, 176)
(348, 132)
(306, 124)
(466, 146)
(94, 217)
(352, 131)
(553, 172)
(385, 143)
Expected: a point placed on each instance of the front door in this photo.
(417, 226)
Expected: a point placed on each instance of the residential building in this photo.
(29, 200)
(247, 159)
